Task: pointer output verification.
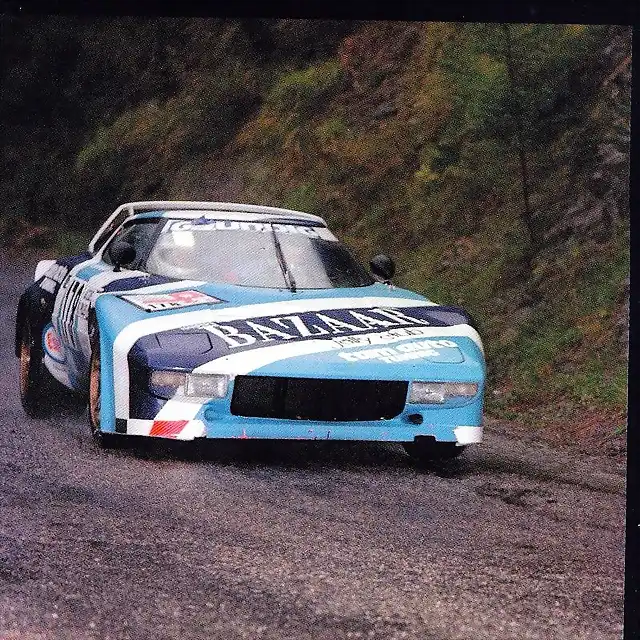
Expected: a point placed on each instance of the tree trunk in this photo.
(527, 214)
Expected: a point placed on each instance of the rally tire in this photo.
(424, 450)
(36, 383)
(103, 440)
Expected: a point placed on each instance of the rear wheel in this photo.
(429, 449)
(35, 380)
(103, 440)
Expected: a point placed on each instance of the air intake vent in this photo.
(317, 399)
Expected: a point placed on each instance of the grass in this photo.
(303, 90)
(302, 198)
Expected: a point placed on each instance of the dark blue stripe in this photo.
(136, 282)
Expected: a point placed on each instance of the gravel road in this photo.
(297, 540)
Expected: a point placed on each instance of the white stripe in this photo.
(250, 360)
(136, 427)
(136, 330)
(468, 435)
(241, 363)
(193, 429)
(179, 408)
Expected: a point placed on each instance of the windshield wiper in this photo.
(288, 276)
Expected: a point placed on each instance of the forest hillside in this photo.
(491, 161)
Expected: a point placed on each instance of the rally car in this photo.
(221, 320)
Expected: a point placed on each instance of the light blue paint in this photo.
(439, 423)
(114, 314)
(329, 364)
(149, 214)
(85, 273)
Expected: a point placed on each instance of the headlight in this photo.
(207, 385)
(196, 385)
(165, 383)
(440, 392)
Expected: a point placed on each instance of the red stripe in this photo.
(167, 428)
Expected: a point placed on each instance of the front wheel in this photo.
(35, 380)
(428, 449)
(103, 440)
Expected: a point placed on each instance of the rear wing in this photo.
(124, 211)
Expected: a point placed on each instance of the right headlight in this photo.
(207, 385)
(196, 385)
(440, 392)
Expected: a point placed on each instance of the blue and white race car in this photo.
(220, 320)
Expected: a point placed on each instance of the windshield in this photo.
(254, 254)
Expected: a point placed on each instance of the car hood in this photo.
(375, 332)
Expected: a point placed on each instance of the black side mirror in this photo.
(121, 252)
(383, 267)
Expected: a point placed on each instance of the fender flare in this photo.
(97, 319)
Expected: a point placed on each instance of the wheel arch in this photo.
(30, 310)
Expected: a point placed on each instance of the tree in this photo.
(522, 86)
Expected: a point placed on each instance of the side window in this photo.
(113, 225)
(137, 233)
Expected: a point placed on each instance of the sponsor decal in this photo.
(164, 301)
(384, 337)
(430, 349)
(52, 345)
(205, 224)
(341, 325)
(72, 303)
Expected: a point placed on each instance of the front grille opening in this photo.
(317, 399)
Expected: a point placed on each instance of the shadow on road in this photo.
(282, 454)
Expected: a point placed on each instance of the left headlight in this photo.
(197, 385)
(440, 392)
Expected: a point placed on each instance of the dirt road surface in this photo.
(297, 540)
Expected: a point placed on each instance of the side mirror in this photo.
(383, 267)
(121, 252)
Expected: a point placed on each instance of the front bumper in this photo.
(187, 419)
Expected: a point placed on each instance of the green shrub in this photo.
(302, 198)
(303, 90)
(331, 129)
(600, 284)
